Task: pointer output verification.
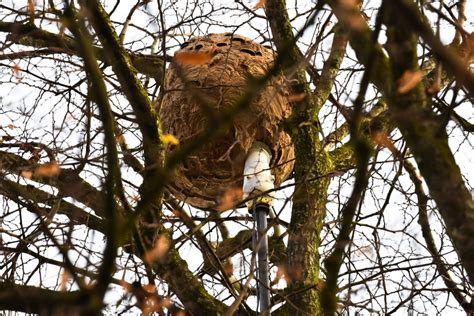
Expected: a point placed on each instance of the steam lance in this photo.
(258, 186)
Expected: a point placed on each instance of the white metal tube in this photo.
(257, 174)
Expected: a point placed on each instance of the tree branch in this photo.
(30, 299)
(428, 141)
(28, 34)
(133, 89)
(455, 65)
(75, 214)
(309, 202)
(429, 240)
(68, 182)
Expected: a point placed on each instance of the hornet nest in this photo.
(209, 74)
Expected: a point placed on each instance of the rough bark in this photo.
(312, 162)
(426, 136)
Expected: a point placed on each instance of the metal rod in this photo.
(263, 278)
(258, 182)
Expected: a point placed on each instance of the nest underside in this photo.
(212, 178)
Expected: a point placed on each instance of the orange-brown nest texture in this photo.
(209, 74)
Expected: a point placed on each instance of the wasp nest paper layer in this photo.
(208, 75)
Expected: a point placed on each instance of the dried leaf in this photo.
(195, 58)
(409, 80)
(228, 268)
(159, 250)
(281, 273)
(321, 284)
(65, 276)
(351, 15)
(230, 198)
(349, 4)
(151, 305)
(293, 98)
(166, 302)
(381, 139)
(150, 288)
(120, 139)
(169, 139)
(17, 72)
(295, 274)
(31, 7)
(10, 126)
(47, 170)
(28, 174)
(466, 49)
(260, 4)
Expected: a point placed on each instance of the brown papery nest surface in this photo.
(209, 74)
